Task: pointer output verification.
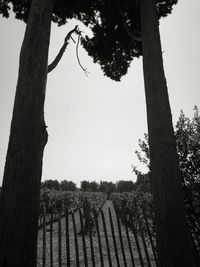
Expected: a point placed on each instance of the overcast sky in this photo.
(94, 123)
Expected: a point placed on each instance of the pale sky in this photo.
(94, 123)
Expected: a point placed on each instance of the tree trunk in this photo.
(174, 243)
(19, 200)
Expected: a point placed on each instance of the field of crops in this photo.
(84, 229)
(133, 208)
(54, 204)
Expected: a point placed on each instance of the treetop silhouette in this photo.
(117, 34)
(62, 10)
(116, 27)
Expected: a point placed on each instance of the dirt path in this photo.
(106, 206)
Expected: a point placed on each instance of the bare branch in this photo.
(62, 50)
(73, 39)
(77, 55)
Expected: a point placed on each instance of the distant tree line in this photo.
(59, 185)
(104, 186)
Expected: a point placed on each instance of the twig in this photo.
(73, 39)
(77, 55)
(62, 50)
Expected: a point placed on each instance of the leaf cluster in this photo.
(188, 146)
(57, 202)
(135, 209)
(187, 134)
(62, 10)
(116, 34)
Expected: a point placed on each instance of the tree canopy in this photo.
(188, 146)
(187, 133)
(115, 25)
(62, 10)
(117, 34)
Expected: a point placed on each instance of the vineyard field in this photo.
(92, 235)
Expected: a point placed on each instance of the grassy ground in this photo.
(95, 242)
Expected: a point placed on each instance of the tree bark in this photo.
(174, 243)
(19, 200)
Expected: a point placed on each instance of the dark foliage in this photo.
(89, 186)
(116, 40)
(56, 185)
(62, 9)
(125, 186)
(187, 133)
(115, 25)
(107, 187)
(4, 9)
(188, 146)
(143, 183)
(51, 184)
(68, 186)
